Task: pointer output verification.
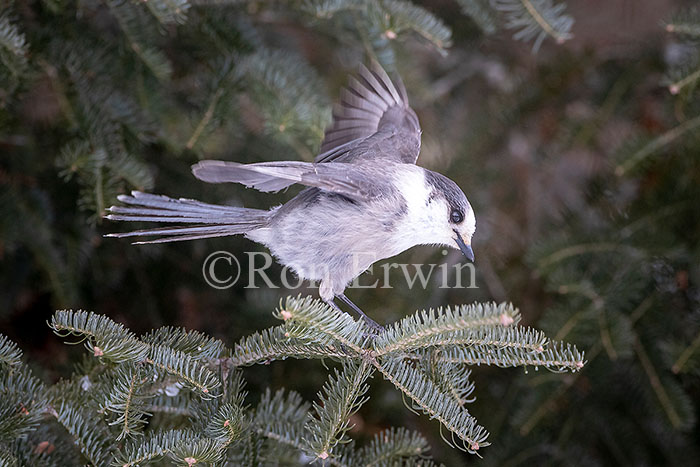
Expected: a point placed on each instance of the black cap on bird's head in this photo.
(460, 215)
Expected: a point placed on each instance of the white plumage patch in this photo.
(427, 219)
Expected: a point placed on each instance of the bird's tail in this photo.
(206, 220)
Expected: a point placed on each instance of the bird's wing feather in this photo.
(372, 120)
(353, 181)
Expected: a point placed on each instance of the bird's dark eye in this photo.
(456, 216)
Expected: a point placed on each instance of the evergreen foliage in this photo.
(580, 161)
(684, 76)
(105, 407)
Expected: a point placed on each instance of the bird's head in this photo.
(450, 213)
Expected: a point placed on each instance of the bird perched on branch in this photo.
(365, 199)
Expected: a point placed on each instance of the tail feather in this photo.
(218, 221)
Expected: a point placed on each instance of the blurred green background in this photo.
(577, 146)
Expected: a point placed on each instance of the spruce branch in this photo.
(126, 400)
(546, 261)
(393, 446)
(426, 328)
(281, 418)
(226, 425)
(135, 24)
(90, 435)
(489, 337)
(13, 46)
(425, 355)
(482, 13)
(193, 343)
(152, 446)
(341, 396)
(277, 344)
(7, 459)
(187, 369)
(388, 19)
(10, 354)
(102, 336)
(400, 16)
(452, 378)
(316, 321)
(286, 90)
(629, 162)
(684, 77)
(557, 357)
(203, 450)
(168, 11)
(23, 401)
(686, 355)
(685, 23)
(224, 82)
(428, 398)
(672, 399)
(327, 8)
(536, 19)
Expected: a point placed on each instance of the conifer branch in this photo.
(427, 328)
(314, 320)
(401, 16)
(152, 446)
(452, 378)
(223, 84)
(204, 451)
(92, 437)
(193, 343)
(286, 91)
(125, 400)
(134, 24)
(9, 460)
(226, 425)
(341, 396)
(282, 418)
(429, 399)
(277, 344)
(104, 338)
(581, 249)
(685, 356)
(168, 11)
(23, 401)
(206, 118)
(686, 77)
(495, 337)
(13, 46)
(424, 355)
(667, 138)
(482, 13)
(393, 445)
(10, 354)
(187, 369)
(685, 23)
(657, 386)
(557, 357)
(536, 19)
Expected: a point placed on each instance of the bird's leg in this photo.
(376, 327)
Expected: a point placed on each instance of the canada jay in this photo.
(365, 199)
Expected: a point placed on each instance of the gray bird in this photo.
(365, 199)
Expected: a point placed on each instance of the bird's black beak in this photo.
(466, 249)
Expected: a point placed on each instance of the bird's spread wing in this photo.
(353, 181)
(372, 120)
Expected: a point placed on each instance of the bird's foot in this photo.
(375, 328)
